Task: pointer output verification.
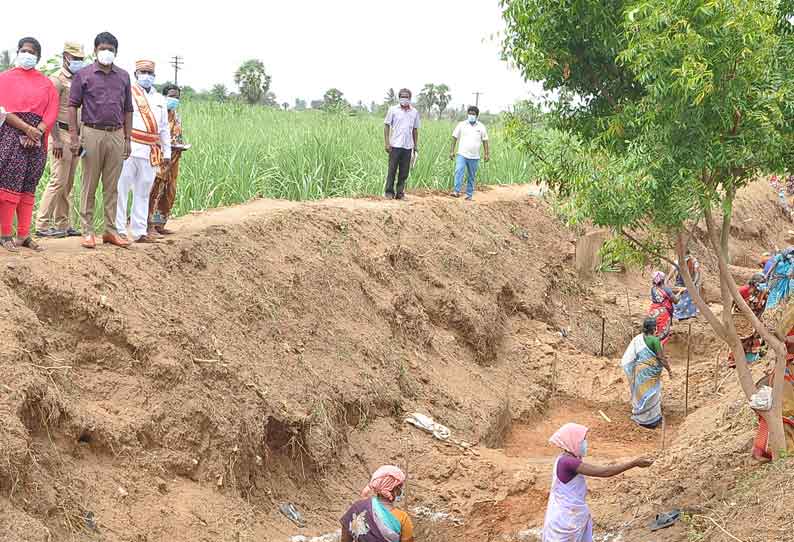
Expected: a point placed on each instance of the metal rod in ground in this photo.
(603, 329)
(717, 369)
(628, 306)
(688, 357)
(664, 429)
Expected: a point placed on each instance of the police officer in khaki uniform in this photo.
(54, 218)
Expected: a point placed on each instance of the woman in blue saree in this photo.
(686, 308)
(781, 278)
(643, 362)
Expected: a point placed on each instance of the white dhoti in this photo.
(137, 176)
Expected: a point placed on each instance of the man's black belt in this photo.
(103, 127)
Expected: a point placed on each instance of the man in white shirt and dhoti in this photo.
(151, 149)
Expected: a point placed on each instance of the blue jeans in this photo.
(462, 165)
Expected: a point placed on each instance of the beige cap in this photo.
(74, 49)
(147, 65)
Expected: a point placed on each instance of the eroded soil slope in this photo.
(268, 353)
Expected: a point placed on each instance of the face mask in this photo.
(171, 103)
(26, 61)
(76, 65)
(404, 102)
(146, 80)
(583, 449)
(106, 57)
(472, 119)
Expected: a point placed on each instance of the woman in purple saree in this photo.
(568, 517)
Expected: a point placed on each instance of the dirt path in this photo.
(228, 217)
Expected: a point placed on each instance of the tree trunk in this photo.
(730, 295)
(727, 331)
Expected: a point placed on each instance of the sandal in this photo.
(29, 243)
(8, 244)
(665, 520)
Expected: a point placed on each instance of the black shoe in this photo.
(51, 233)
(389, 196)
(399, 196)
(72, 232)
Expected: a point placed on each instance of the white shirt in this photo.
(160, 112)
(402, 122)
(470, 137)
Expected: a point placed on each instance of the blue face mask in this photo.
(76, 65)
(583, 449)
(146, 80)
(171, 103)
(26, 61)
(472, 119)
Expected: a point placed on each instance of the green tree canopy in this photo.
(252, 80)
(670, 108)
(219, 92)
(334, 101)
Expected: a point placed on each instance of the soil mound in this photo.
(268, 353)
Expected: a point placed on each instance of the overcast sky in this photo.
(362, 47)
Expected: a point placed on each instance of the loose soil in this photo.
(268, 353)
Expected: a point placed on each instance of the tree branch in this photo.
(728, 287)
(695, 294)
(644, 248)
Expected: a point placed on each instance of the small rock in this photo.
(220, 480)
(123, 492)
(259, 461)
(162, 486)
(103, 301)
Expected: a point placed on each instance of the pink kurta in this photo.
(568, 516)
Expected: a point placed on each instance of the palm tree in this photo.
(442, 99)
(391, 97)
(427, 98)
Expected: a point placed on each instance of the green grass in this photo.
(241, 152)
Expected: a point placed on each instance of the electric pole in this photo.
(177, 62)
(477, 98)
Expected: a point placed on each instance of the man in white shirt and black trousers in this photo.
(401, 132)
(472, 135)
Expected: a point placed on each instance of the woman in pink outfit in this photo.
(568, 517)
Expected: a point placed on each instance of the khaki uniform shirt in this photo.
(63, 84)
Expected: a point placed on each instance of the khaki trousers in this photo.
(103, 158)
(55, 203)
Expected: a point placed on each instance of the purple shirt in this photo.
(566, 468)
(104, 97)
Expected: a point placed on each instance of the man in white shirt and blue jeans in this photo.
(470, 135)
(401, 133)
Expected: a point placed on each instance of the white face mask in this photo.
(146, 80)
(472, 119)
(26, 61)
(405, 101)
(106, 57)
(583, 448)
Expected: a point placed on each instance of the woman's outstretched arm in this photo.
(608, 471)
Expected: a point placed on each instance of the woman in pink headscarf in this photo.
(663, 302)
(568, 517)
(376, 518)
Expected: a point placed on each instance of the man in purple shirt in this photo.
(103, 91)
